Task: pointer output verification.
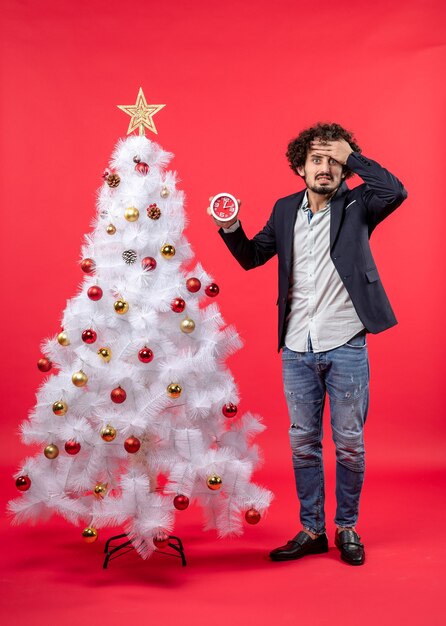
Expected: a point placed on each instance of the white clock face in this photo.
(224, 207)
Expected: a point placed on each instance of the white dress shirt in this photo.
(320, 307)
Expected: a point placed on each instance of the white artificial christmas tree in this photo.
(140, 416)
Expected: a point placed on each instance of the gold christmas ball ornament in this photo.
(111, 229)
(174, 390)
(60, 407)
(121, 307)
(187, 325)
(90, 534)
(79, 379)
(168, 251)
(105, 354)
(51, 451)
(164, 192)
(108, 433)
(100, 490)
(214, 482)
(62, 338)
(131, 214)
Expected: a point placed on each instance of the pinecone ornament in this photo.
(113, 180)
(154, 212)
(129, 256)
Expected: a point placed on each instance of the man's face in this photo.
(322, 174)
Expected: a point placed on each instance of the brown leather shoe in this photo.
(352, 550)
(300, 546)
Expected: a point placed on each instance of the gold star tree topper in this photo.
(141, 114)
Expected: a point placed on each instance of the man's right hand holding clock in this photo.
(226, 207)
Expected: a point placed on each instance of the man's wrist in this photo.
(232, 228)
(352, 153)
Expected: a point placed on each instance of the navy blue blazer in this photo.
(354, 215)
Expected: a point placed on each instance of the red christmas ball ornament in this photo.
(178, 305)
(212, 290)
(118, 395)
(23, 483)
(89, 336)
(132, 444)
(252, 516)
(229, 410)
(44, 364)
(181, 502)
(145, 355)
(72, 447)
(94, 293)
(161, 541)
(142, 168)
(193, 285)
(105, 174)
(148, 263)
(87, 266)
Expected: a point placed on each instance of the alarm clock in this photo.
(224, 207)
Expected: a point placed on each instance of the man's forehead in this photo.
(314, 152)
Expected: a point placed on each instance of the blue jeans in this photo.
(342, 373)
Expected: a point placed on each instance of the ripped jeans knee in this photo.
(350, 451)
(306, 447)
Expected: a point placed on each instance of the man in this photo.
(330, 296)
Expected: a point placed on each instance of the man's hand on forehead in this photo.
(337, 149)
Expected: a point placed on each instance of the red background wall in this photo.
(239, 79)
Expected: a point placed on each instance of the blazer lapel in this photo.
(336, 211)
(288, 226)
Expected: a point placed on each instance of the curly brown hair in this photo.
(298, 148)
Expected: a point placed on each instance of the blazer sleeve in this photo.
(382, 192)
(253, 252)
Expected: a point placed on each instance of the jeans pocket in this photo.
(288, 355)
(357, 342)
